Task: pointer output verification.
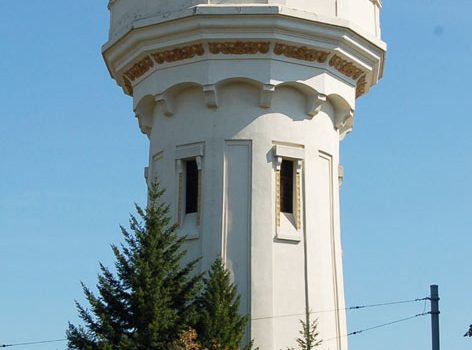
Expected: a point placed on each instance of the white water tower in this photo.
(245, 104)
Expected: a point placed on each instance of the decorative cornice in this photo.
(239, 47)
(361, 86)
(159, 57)
(178, 54)
(301, 53)
(343, 66)
(139, 68)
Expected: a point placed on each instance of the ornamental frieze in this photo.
(301, 53)
(342, 65)
(139, 68)
(178, 54)
(128, 86)
(345, 67)
(239, 47)
(361, 84)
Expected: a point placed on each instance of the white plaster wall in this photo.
(275, 268)
(362, 13)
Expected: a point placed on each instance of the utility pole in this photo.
(434, 298)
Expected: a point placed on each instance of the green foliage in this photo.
(309, 335)
(220, 326)
(150, 300)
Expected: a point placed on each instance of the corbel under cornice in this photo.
(145, 123)
(267, 92)
(314, 104)
(167, 104)
(344, 123)
(211, 95)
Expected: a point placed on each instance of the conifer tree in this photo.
(309, 334)
(220, 326)
(150, 300)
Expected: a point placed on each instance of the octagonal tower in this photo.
(244, 104)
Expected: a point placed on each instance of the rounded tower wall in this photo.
(244, 104)
(363, 15)
(264, 259)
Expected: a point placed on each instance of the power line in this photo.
(32, 343)
(382, 325)
(351, 308)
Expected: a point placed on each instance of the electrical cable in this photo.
(289, 315)
(32, 343)
(351, 308)
(382, 325)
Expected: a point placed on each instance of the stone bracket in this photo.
(314, 104)
(145, 123)
(211, 96)
(344, 123)
(167, 104)
(267, 93)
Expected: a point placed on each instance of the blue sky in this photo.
(72, 161)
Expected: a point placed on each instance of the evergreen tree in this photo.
(220, 326)
(149, 302)
(309, 335)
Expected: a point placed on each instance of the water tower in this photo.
(244, 104)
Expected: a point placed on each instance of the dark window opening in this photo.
(191, 186)
(286, 186)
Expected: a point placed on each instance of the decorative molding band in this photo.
(298, 213)
(159, 57)
(139, 68)
(345, 67)
(180, 189)
(277, 196)
(301, 53)
(361, 86)
(199, 191)
(178, 54)
(239, 47)
(199, 159)
(128, 86)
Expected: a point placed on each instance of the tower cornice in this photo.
(292, 35)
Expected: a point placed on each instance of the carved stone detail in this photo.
(180, 190)
(342, 65)
(211, 96)
(345, 67)
(166, 103)
(178, 54)
(128, 86)
(267, 93)
(139, 68)
(361, 86)
(345, 123)
(239, 47)
(314, 104)
(301, 53)
(277, 198)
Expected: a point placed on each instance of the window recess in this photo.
(189, 171)
(288, 201)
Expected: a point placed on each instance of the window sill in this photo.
(287, 230)
(189, 227)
